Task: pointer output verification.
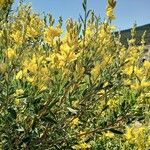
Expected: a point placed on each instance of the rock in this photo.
(145, 55)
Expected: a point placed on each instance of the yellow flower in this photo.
(50, 33)
(65, 48)
(17, 37)
(109, 134)
(81, 146)
(148, 139)
(131, 41)
(135, 86)
(101, 92)
(19, 75)
(136, 134)
(128, 70)
(66, 55)
(30, 79)
(75, 103)
(113, 27)
(113, 103)
(109, 12)
(75, 122)
(147, 64)
(105, 84)
(127, 82)
(128, 134)
(42, 87)
(10, 53)
(145, 83)
(104, 35)
(19, 92)
(31, 65)
(95, 71)
(2, 2)
(138, 71)
(17, 102)
(35, 27)
(31, 32)
(110, 8)
(88, 32)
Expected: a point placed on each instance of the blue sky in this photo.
(127, 11)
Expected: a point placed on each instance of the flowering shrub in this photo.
(72, 88)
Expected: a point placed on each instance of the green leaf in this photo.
(21, 129)
(48, 118)
(34, 123)
(88, 13)
(81, 19)
(74, 111)
(12, 113)
(53, 103)
(84, 3)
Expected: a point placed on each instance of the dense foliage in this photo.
(72, 88)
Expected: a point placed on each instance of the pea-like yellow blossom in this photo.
(75, 122)
(146, 64)
(10, 53)
(35, 26)
(17, 36)
(128, 134)
(19, 92)
(50, 33)
(19, 75)
(81, 146)
(109, 134)
(95, 71)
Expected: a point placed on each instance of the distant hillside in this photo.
(126, 34)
